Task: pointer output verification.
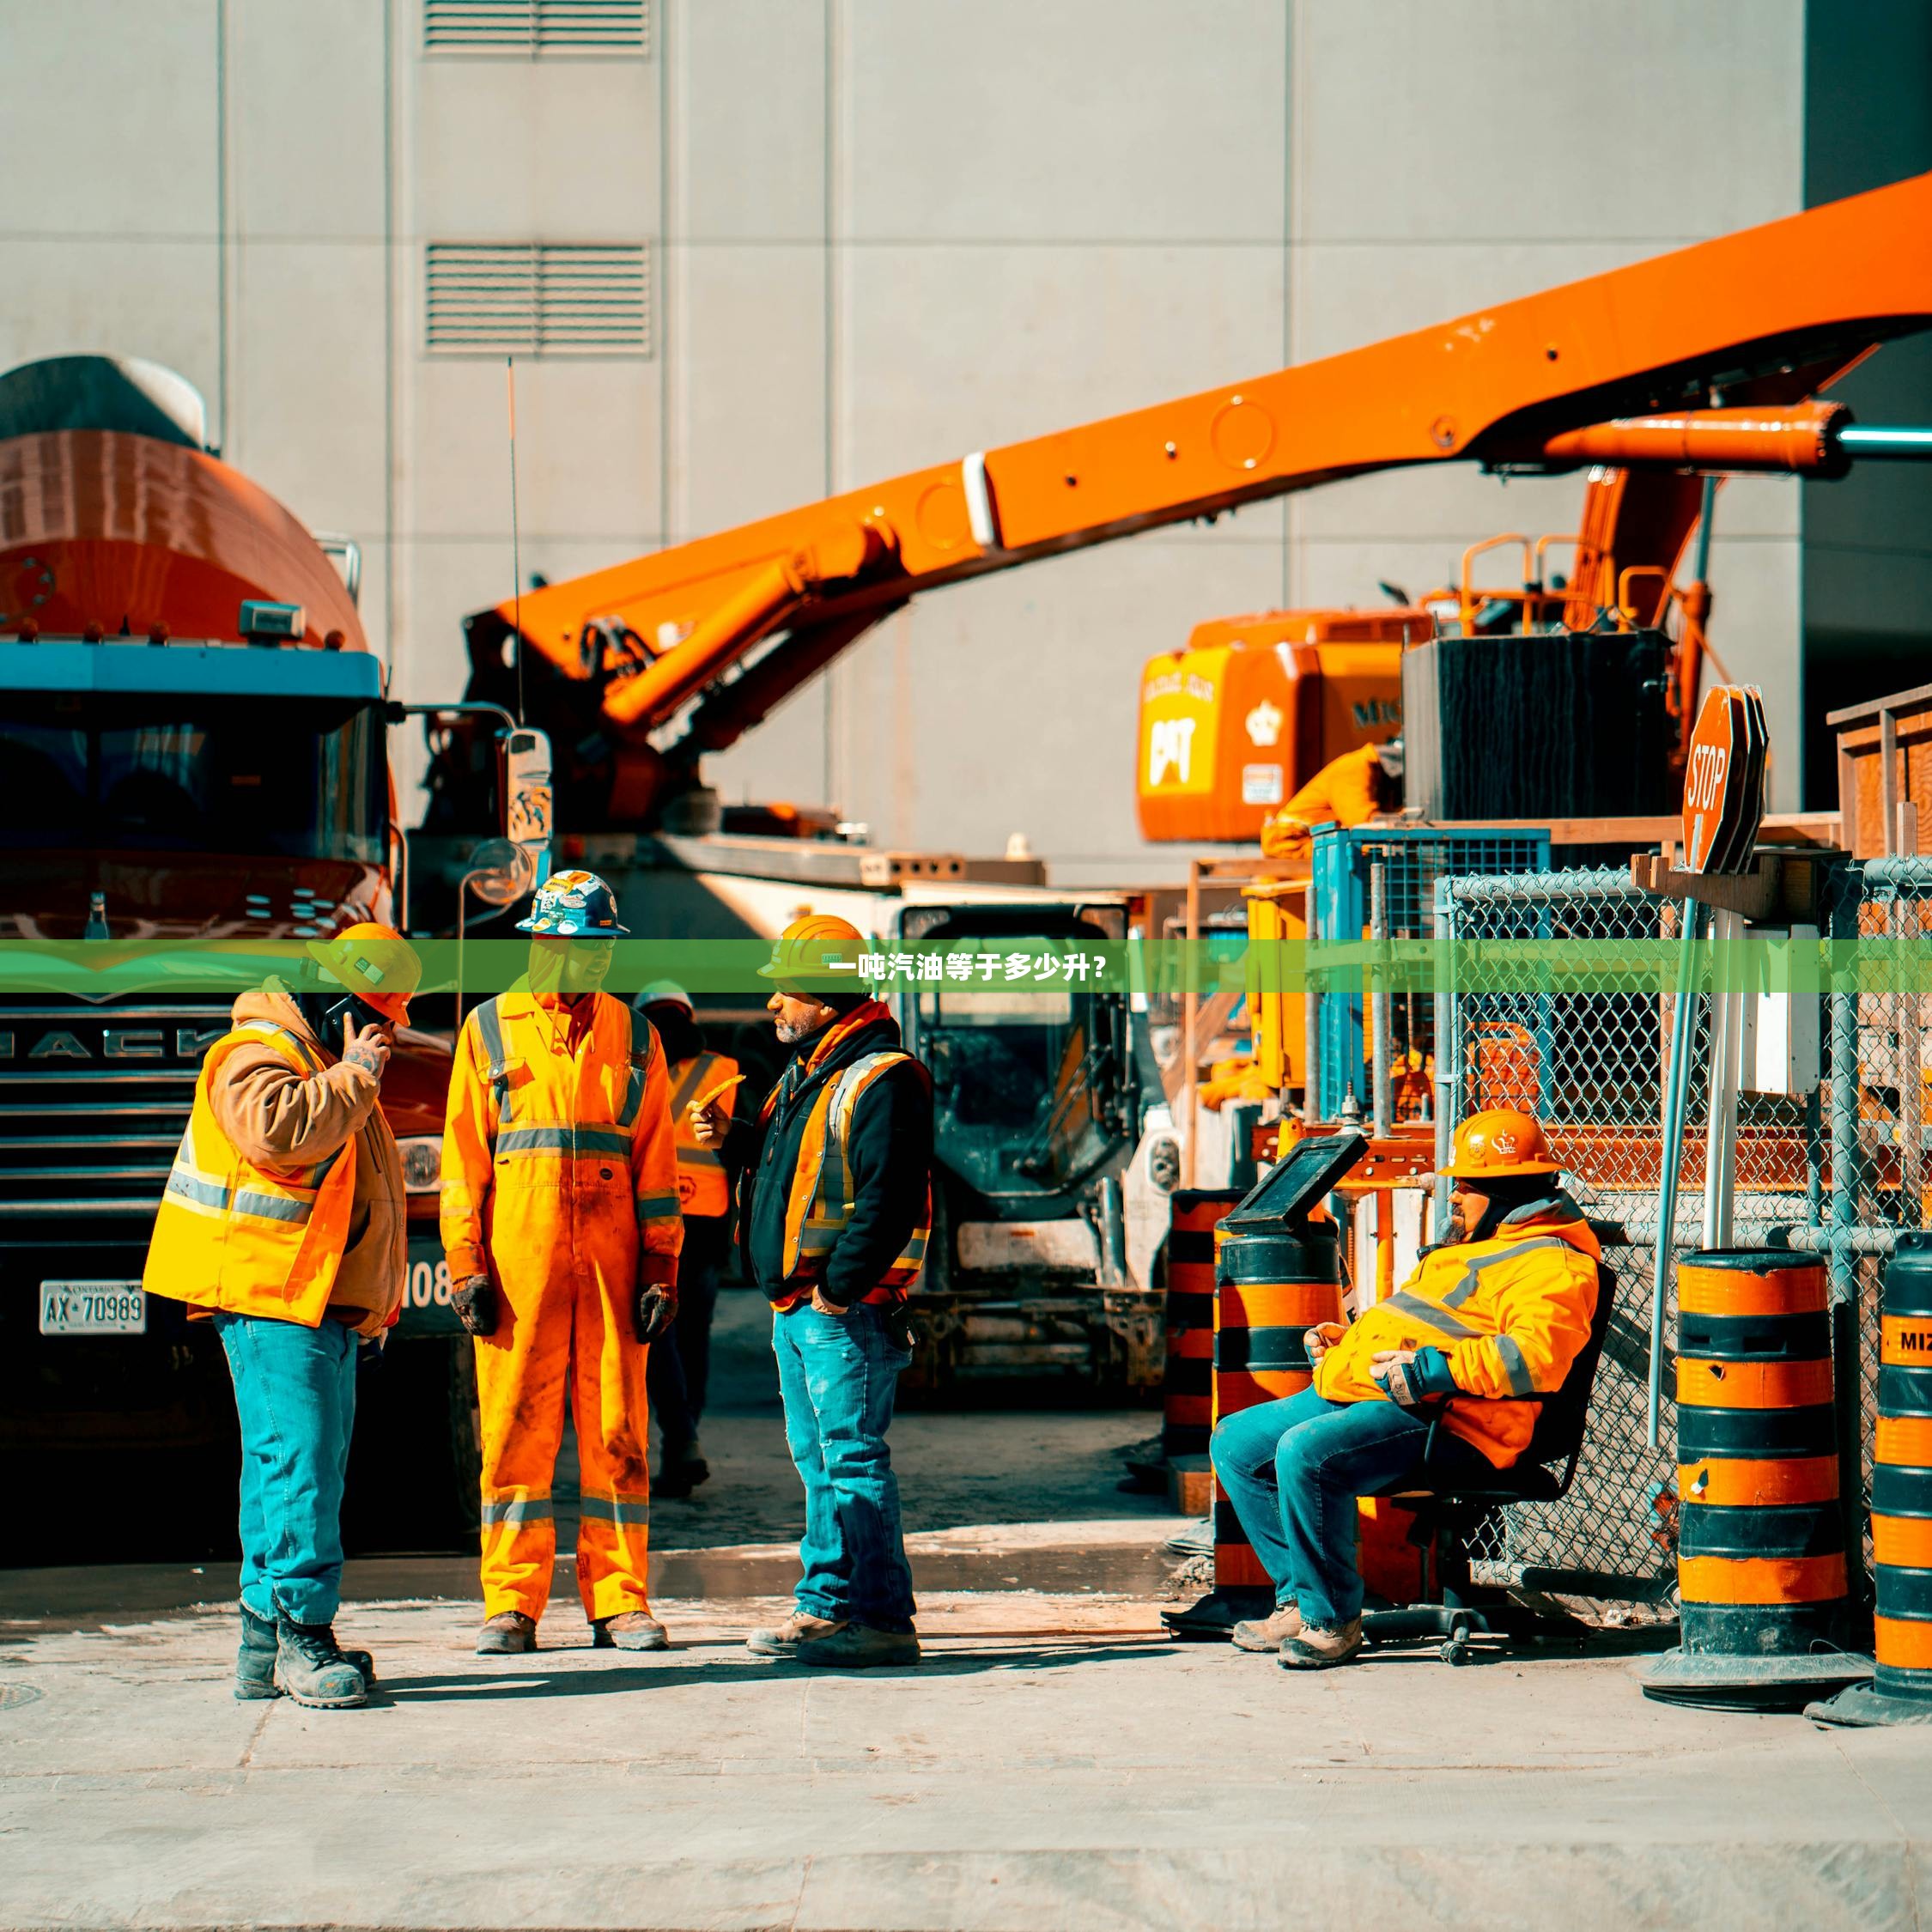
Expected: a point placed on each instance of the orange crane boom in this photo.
(1761, 318)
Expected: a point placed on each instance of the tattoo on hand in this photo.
(365, 1058)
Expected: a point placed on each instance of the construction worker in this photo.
(1360, 784)
(680, 1366)
(559, 1220)
(834, 1202)
(1486, 1323)
(282, 1219)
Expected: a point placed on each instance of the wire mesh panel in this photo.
(1411, 860)
(1552, 1014)
(1557, 995)
(1876, 1099)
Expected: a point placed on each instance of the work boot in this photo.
(859, 1647)
(254, 1663)
(630, 1629)
(1272, 1631)
(310, 1667)
(1315, 1648)
(509, 1633)
(784, 1641)
(682, 1469)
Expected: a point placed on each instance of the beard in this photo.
(790, 1033)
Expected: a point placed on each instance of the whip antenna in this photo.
(516, 553)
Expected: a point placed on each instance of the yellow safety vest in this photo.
(819, 1209)
(245, 1239)
(702, 1188)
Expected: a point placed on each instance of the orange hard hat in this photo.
(820, 951)
(376, 963)
(1499, 1141)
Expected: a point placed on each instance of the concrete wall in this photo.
(883, 233)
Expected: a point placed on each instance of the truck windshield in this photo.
(305, 778)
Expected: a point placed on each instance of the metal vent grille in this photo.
(538, 299)
(529, 28)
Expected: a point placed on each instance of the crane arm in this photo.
(1526, 384)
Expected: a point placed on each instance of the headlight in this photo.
(422, 1163)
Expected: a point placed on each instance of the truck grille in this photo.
(92, 1100)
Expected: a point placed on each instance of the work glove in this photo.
(1409, 1380)
(474, 1299)
(1319, 1339)
(653, 1311)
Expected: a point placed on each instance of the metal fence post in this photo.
(1846, 1164)
(1379, 1108)
(1448, 1044)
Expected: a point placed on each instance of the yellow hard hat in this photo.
(819, 950)
(1499, 1141)
(376, 963)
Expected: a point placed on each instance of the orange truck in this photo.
(194, 734)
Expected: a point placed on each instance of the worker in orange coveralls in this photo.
(560, 1219)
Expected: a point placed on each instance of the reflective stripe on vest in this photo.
(251, 1240)
(821, 1205)
(564, 1137)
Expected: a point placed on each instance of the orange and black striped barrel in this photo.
(1902, 1477)
(1271, 1289)
(1760, 1554)
(1187, 1379)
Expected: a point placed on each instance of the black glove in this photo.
(653, 1311)
(474, 1299)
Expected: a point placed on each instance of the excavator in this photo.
(1655, 378)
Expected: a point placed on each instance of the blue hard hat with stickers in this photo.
(573, 906)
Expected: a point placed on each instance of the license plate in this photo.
(92, 1308)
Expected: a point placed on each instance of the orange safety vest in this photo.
(245, 1239)
(820, 1206)
(702, 1188)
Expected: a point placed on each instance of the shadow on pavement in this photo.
(522, 1681)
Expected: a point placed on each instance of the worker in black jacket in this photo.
(835, 1203)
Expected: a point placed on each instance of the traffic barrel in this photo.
(1272, 1287)
(1188, 1377)
(1761, 1575)
(1900, 1690)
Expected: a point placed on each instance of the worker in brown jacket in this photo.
(283, 1220)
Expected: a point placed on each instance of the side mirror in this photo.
(499, 872)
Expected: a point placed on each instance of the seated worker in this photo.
(1487, 1322)
(1360, 784)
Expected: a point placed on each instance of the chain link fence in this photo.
(1879, 920)
(1579, 1032)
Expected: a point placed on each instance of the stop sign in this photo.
(1724, 781)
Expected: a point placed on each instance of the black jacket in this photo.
(891, 1150)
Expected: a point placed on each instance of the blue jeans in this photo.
(1292, 1470)
(838, 1376)
(294, 1393)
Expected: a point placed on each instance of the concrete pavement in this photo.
(1054, 1763)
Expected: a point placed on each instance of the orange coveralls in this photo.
(559, 1182)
